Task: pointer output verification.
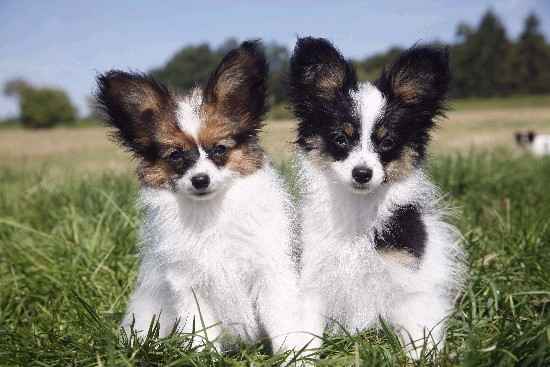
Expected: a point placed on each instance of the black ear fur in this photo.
(134, 104)
(319, 72)
(237, 88)
(420, 77)
(415, 87)
(320, 83)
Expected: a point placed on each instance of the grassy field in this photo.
(68, 232)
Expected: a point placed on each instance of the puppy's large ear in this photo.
(135, 105)
(236, 91)
(319, 76)
(418, 78)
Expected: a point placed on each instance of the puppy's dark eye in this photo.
(340, 140)
(219, 150)
(387, 144)
(176, 155)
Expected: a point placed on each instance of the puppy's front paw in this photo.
(302, 348)
(419, 345)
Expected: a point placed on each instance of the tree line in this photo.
(485, 62)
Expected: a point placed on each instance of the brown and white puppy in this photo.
(216, 235)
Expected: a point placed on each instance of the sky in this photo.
(66, 43)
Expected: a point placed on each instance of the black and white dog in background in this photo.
(376, 243)
(537, 144)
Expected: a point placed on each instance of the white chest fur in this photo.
(347, 282)
(227, 259)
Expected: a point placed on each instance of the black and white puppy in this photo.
(537, 144)
(375, 240)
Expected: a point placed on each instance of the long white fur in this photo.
(540, 146)
(345, 282)
(188, 115)
(232, 251)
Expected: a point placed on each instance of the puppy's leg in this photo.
(420, 321)
(313, 319)
(281, 313)
(198, 320)
(148, 302)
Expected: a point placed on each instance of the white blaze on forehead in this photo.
(188, 113)
(371, 104)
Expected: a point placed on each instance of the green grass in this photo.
(67, 266)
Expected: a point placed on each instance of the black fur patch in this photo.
(415, 87)
(404, 230)
(321, 82)
(182, 160)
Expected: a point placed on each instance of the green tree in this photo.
(15, 87)
(192, 65)
(41, 107)
(533, 58)
(46, 107)
(482, 62)
(189, 67)
(278, 58)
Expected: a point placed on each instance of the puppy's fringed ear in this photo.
(135, 105)
(419, 77)
(319, 71)
(236, 91)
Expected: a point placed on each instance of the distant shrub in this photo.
(45, 107)
(41, 107)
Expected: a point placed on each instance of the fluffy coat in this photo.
(376, 242)
(216, 238)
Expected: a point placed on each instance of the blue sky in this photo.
(66, 43)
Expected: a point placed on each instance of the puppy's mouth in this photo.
(202, 194)
(360, 189)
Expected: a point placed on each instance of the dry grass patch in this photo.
(90, 150)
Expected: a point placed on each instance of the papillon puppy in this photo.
(375, 241)
(537, 144)
(217, 228)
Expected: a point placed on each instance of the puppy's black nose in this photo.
(200, 181)
(361, 174)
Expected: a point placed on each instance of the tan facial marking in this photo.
(332, 80)
(245, 159)
(381, 132)
(348, 129)
(175, 138)
(401, 257)
(405, 88)
(155, 174)
(402, 167)
(328, 80)
(215, 129)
